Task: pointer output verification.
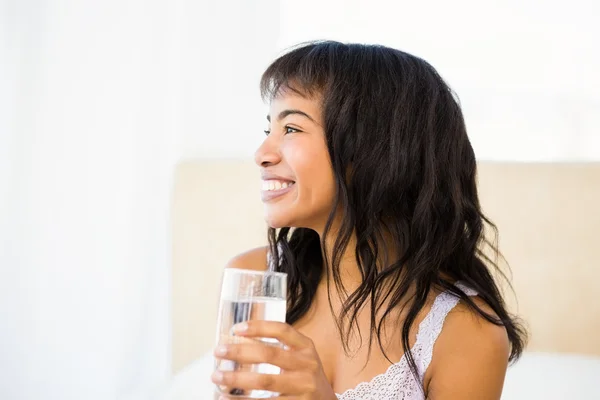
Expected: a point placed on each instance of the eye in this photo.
(289, 129)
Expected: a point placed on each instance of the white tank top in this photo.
(398, 382)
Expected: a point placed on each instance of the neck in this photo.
(349, 270)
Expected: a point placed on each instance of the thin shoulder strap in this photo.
(431, 326)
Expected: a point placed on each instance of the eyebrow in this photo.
(285, 113)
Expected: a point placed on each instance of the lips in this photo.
(274, 188)
(275, 184)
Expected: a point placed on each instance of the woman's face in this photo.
(297, 177)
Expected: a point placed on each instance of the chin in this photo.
(278, 221)
(282, 217)
(291, 217)
(287, 221)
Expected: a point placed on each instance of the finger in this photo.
(293, 383)
(281, 331)
(260, 352)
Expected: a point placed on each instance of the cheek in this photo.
(314, 174)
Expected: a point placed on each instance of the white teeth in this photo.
(275, 185)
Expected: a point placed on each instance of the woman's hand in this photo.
(301, 377)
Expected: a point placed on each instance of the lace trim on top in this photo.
(398, 382)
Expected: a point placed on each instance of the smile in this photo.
(274, 188)
(274, 184)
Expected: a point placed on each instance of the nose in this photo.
(268, 153)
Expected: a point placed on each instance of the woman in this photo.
(369, 187)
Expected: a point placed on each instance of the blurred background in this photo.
(101, 101)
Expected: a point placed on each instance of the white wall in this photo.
(222, 114)
(85, 196)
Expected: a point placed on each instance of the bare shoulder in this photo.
(465, 327)
(470, 357)
(254, 259)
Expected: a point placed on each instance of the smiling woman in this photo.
(369, 191)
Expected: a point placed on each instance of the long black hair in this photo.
(404, 171)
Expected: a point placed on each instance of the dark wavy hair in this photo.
(404, 171)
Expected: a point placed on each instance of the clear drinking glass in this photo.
(249, 295)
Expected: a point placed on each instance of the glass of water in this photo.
(249, 295)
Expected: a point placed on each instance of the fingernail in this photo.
(217, 377)
(221, 350)
(240, 328)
